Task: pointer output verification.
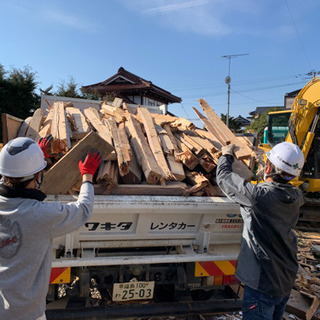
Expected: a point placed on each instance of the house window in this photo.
(150, 102)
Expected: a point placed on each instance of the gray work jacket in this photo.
(27, 229)
(267, 261)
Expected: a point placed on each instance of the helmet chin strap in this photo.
(38, 183)
(277, 175)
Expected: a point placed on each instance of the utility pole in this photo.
(228, 79)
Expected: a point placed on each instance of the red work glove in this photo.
(44, 144)
(90, 164)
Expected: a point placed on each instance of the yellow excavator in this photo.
(301, 126)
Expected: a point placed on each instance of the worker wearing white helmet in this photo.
(267, 263)
(287, 160)
(28, 225)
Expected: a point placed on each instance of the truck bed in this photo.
(152, 229)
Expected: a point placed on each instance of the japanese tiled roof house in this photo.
(132, 89)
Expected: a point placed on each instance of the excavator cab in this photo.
(278, 127)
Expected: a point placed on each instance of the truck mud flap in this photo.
(124, 311)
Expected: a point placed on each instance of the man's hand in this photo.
(90, 163)
(228, 150)
(44, 144)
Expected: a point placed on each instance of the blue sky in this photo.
(176, 44)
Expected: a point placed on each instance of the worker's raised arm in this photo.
(232, 185)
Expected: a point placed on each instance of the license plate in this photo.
(133, 290)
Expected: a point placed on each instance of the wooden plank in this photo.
(184, 142)
(204, 143)
(167, 145)
(173, 188)
(123, 150)
(81, 126)
(197, 180)
(117, 102)
(24, 127)
(212, 191)
(35, 124)
(215, 120)
(171, 137)
(186, 156)
(130, 109)
(176, 168)
(134, 175)
(154, 142)
(64, 174)
(299, 305)
(209, 137)
(143, 152)
(215, 134)
(196, 148)
(60, 129)
(174, 122)
(47, 124)
(95, 121)
(314, 306)
(108, 174)
(10, 127)
(242, 151)
(207, 163)
(113, 111)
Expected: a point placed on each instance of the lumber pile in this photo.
(144, 153)
(305, 297)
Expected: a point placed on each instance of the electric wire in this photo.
(298, 34)
(184, 109)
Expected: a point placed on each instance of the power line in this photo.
(299, 38)
(184, 110)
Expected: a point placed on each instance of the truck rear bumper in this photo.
(124, 311)
(148, 259)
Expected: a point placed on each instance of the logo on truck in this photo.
(230, 223)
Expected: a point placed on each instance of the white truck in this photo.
(142, 248)
(157, 248)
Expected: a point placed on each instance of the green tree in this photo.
(47, 91)
(258, 125)
(68, 89)
(17, 92)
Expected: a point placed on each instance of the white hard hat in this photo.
(21, 157)
(287, 157)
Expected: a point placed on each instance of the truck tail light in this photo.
(229, 280)
(218, 280)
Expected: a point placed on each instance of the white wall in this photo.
(78, 103)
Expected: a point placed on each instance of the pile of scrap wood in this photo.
(305, 298)
(143, 152)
